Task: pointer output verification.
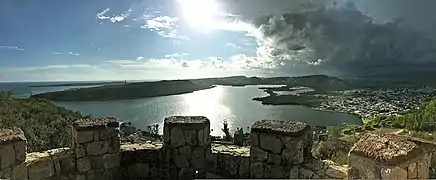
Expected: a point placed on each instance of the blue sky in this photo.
(58, 40)
(64, 40)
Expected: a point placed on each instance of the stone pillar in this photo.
(12, 154)
(96, 145)
(278, 148)
(390, 156)
(186, 142)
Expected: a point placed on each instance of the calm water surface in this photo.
(219, 104)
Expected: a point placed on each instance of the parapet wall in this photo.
(280, 149)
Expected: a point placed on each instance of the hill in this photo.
(124, 91)
(45, 125)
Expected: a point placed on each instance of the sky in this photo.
(52, 40)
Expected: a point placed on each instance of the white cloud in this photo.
(176, 55)
(11, 48)
(232, 45)
(101, 15)
(113, 19)
(139, 58)
(74, 54)
(56, 53)
(165, 26)
(161, 22)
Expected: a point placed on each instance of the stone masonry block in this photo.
(6, 173)
(83, 164)
(40, 165)
(12, 147)
(114, 145)
(108, 133)
(389, 149)
(270, 142)
(412, 171)
(84, 136)
(20, 151)
(63, 160)
(394, 173)
(7, 156)
(110, 161)
(189, 126)
(254, 139)
(97, 148)
(139, 170)
(19, 172)
(80, 151)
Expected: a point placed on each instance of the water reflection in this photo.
(209, 103)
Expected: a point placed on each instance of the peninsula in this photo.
(175, 87)
(124, 91)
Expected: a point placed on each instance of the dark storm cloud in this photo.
(362, 38)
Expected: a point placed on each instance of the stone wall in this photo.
(280, 149)
(12, 153)
(94, 154)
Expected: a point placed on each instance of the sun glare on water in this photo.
(200, 14)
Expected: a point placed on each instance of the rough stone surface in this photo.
(254, 139)
(176, 137)
(187, 121)
(97, 148)
(190, 137)
(138, 170)
(412, 171)
(394, 173)
(389, 149)
(63, 160)
(198, 157)
(98, 123)
(423, 166)
(7, 156)
(110, 161)
(270, 142)
(83, 164)
(11, 135)
(80, 151)
(274, 159)
(256, 170)
(287, 128)
(39, 165)
(244, 167)
(273, 171)
(19, 172)
(293, 156)
(84, 136)
(20, 151)
(6, 173)
(257, 154)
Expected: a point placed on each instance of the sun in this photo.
(201, 14)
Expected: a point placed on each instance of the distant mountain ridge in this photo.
(320, 82)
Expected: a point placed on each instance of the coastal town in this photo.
(369, 103)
